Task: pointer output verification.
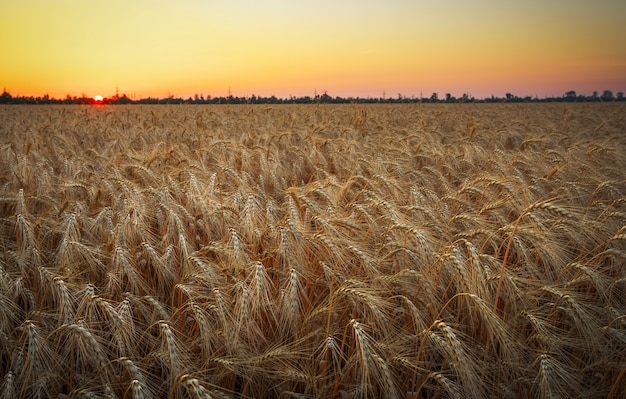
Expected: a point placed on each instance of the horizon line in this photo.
(316, 94)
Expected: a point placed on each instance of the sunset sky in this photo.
(346, 47)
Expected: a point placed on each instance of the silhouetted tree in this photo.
(5, 97)
(123, 99)
(607, 95)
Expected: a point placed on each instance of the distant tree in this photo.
(607, 95)
(570, 96)
(5, 97)
(324, 98)
(620, 96)
(123, 99)
(434, 97)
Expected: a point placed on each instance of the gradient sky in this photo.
(347, 47)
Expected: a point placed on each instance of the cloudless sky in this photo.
(347, 47)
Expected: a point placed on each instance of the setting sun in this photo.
(98, 98)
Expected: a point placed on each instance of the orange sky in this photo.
(348, 47)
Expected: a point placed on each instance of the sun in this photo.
(98, 98)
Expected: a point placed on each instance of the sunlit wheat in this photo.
(318, 251)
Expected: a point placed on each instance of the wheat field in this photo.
(313, 251)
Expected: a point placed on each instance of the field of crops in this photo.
(313, 251)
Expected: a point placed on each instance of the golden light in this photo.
(98, 98)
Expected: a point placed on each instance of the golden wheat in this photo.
(344, 251)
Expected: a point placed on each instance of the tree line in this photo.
(325, 98)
